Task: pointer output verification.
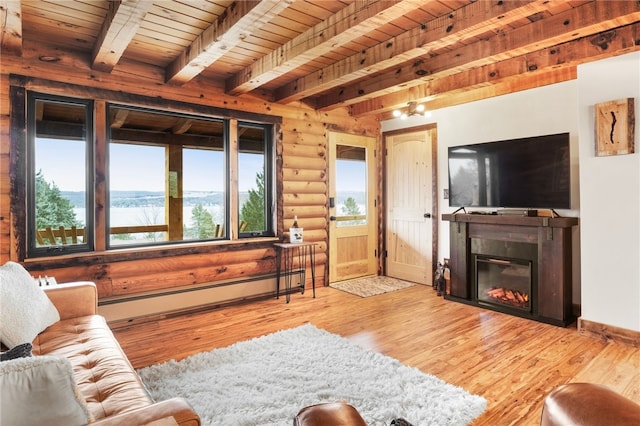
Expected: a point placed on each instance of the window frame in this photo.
(268, 170)
(226, 146)
(33, 250)
(231, 152)
(20, 85)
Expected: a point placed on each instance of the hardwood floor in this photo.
(512, 362)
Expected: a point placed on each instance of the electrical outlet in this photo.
(446, 193)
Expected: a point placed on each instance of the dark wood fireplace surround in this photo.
(552, 301)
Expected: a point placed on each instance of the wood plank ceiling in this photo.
(368, 55)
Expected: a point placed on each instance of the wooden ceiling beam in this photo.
(513, 84)
(164, 138)
(182, 126)
(120, 118)
(533, 69)
(240, 18)
(475, 88)
(582, 21)
(467, 22)
(355, 20)
(11, 27)
(120, 26)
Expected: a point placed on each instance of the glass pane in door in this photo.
(351, 185)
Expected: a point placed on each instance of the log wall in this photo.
(301, 168)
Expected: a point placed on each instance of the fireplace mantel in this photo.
(551, 235)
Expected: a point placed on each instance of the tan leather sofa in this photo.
(588, 404)
(329, 413)
(114, 393)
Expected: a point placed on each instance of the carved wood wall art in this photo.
(615, 124)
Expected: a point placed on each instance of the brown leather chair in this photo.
(588, 404)
(329, 414)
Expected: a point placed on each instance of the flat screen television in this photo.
(530, 173)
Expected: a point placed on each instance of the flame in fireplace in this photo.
(509, 297)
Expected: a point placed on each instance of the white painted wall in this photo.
(547, 110)
(610, 201)
(605, 190)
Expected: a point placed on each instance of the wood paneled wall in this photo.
(301, 163)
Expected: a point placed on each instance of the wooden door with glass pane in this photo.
(409, 205)
(353, 235)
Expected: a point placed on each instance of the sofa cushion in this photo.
(26, 309)
(40, 390)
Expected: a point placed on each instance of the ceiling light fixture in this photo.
(413, 108)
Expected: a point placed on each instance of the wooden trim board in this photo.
(609, 332)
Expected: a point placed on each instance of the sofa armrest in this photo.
(177, 408)
(72, 300)
(588, 404)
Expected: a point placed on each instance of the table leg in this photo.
(288, 266)
(288, 258)
(302, 263)
(312, 258)
(278, 270)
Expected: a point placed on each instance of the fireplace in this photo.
(516, 265)
(503, 282)
(504, 274)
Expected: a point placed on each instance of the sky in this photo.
(351, 176)
(135, 167)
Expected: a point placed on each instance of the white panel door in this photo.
(409, 206)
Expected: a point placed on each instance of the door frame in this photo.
(373, 181)
(434, 193)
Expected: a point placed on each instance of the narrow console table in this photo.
(291, 259)
(549, 238)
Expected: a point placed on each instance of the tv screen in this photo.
(531, 172)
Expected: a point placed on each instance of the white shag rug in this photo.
(267, 380)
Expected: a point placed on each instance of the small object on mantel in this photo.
(45, 281)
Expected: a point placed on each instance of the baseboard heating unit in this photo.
(136, 306)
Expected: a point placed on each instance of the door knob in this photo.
(427, 215)
(332, 218)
